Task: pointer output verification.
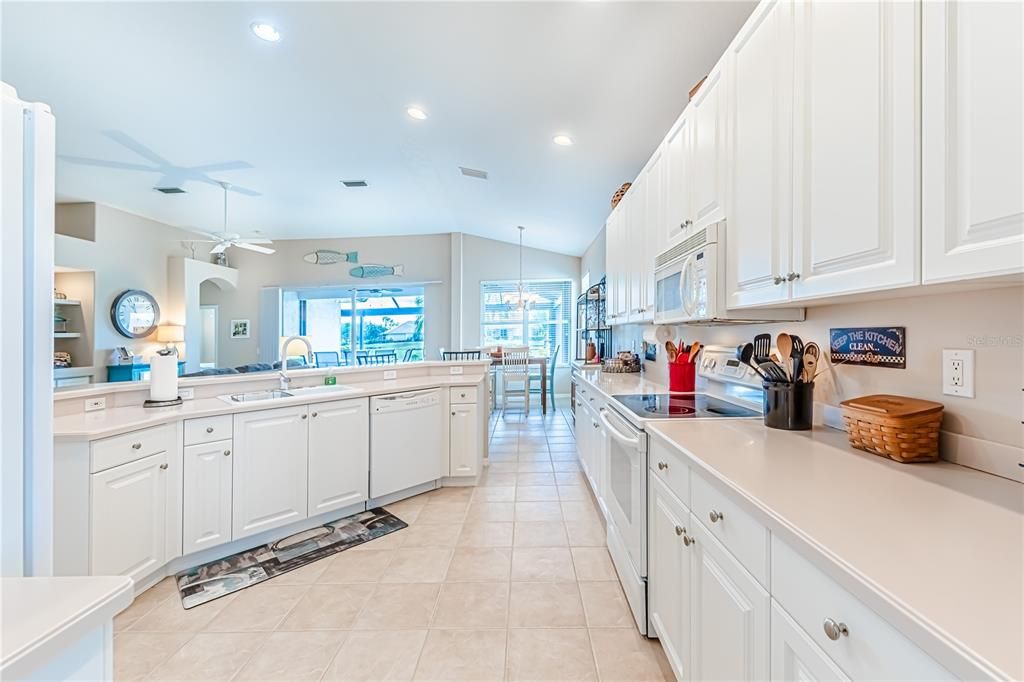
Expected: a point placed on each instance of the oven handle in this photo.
(616, 434)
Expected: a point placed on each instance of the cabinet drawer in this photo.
(462, 395)
(669, 467)
(128, 447)
(207, 429)
(870, 649)
(738, 531)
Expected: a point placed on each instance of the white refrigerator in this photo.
(27, 169)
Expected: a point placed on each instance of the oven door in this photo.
(625, 488)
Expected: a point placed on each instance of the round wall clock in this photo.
(135, 314)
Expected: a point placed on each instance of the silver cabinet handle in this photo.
(453, 414)
(680, 530)
(791, 276)
(596, 425)
(687, 540)
(662, 466)
(715, 516)
(778, 280)
(834, 630)
(163, 466)
(227, 453)
(304, 416)
(209, 429)
(136, 446)
(591, 398)
(315, 414)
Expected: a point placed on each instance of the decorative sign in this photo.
(872, 346)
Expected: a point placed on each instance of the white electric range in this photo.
(726, 389)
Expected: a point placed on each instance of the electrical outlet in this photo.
(93, 404)
(455, 370)
(187, 393)
(390, 374)
(958, 372)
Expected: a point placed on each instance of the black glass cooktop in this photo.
(692, 405)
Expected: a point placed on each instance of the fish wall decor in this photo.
(369, 271)
(328, 257)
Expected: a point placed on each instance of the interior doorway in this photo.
(208, 343)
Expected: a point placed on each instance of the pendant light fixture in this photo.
(522, 298)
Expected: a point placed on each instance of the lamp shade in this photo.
(170, 333)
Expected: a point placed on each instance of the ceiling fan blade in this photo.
(220, 248)
(137, 147)
(102, 163)
(253, 241)
(253, 247)
(243, 190)
(209, 235)
(223, 166)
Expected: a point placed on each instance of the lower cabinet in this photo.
(795, 657)
(206, 512)
(465, 444)
(128, 518)
(668, 584)
(339, 454)
(269, 474)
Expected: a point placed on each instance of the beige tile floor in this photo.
(509, 580)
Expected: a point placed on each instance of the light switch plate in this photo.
(390, 374)
(958, 372)
(187, 393)
(93, 404)
(455, 370)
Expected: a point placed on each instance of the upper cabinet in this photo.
(972, 139)
(708, 150)
(635, 253)
(678, 180)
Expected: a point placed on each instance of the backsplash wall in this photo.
(991, 322)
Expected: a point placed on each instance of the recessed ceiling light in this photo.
(416, 113)
(266, 32)
(562, 140)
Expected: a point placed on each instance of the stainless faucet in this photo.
(285, 379)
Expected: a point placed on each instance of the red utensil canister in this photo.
(682, 377)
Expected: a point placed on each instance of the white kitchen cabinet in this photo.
(708, 150)
(634, 248)
(269, 474)
(128, 518)
(466, 441)
(678, 181)
(206, 511)
(617, 275)
(795, 657)
(759, 159)
(729, 614)
(652, 241)
(669, 570)
(339, 455)
(855, 219)
(972, 139)
(583, 435)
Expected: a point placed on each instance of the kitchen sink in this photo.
(322, 390)
(277, 394)
(255, 395)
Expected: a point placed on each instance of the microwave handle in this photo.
(615, 433)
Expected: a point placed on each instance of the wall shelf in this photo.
(67, 335)
(65, 301)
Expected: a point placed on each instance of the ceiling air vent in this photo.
(169, 190)
(354, 183)
(473, 173)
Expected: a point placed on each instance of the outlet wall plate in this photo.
(93, 404)
(455, 370)
(958, 372)
(187, 393)
(390, 374)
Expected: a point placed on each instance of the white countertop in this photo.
(116, 420)
(937, 549)
(43, 616)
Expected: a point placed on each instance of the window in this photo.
(544, 328)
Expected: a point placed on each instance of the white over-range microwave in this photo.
(690, 284)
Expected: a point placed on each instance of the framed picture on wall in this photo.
(239, 329)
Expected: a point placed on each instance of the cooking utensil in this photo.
(694, 349)
(672, 351)
(785, 345)
(797, 355)
(810, 365)
(762, 356)
(745, 353)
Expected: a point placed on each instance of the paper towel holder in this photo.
(169, 350)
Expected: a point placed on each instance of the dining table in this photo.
(542, 362)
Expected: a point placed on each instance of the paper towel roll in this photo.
(163, 377)
(658, 335)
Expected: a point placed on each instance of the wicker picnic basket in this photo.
(900, 428)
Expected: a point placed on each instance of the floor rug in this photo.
(236, 572)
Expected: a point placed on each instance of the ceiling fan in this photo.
(221, 242)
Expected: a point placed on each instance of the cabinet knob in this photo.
(227, 453)
(715, 516)
(834, 630)
(778, 280)
(315, 413)
(791, 276)
(209, 429)
(163, 466)
(662, 466)
(687, 540)
(453, 414)
(680, 530)
(304, 416)
(136, 446)
(596, 425)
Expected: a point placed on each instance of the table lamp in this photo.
(170, 334)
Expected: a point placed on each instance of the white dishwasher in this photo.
(407, 440)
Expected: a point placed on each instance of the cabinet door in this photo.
(668, 576)
(269, 472)
(339, 454)
(464, 448)
(206, 510)
(128, 518)
(708, 150)
(856, 225)
(973, 139)
(619, 256)
(583, 433)
(729, 614)
(678, 181)
(759, 63)
(795, 657)
(654, 229)
(636, 219)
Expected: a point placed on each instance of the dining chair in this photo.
(408, 355)
(552, 361)
(381, 359)
(515, 376)
(327, 358)
(460, 354)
